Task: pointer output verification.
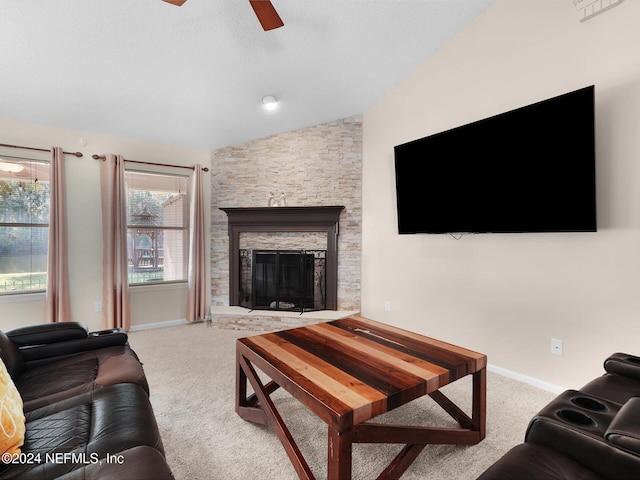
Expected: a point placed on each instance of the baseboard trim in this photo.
(149, 326)
(535, 382)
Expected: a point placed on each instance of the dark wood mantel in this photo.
(284, 219)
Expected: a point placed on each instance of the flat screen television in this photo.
(531, 169)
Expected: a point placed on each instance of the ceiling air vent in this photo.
(591, 8)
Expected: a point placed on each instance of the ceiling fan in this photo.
(266, 13)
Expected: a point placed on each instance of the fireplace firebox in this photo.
(288, 280)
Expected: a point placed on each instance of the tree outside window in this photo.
(24, 225)
(157, 227)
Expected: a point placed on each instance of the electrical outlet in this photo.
(97, 306)
(556, 346)
(387, 306)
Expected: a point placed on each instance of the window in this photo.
(24, 225)
(157, 227)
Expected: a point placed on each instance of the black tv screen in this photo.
(527, 170)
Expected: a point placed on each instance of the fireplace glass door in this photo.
(286, 280)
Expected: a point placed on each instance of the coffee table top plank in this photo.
(372, 369)
(426, 377)
(438, 351)
(350, 370)
(335, 396)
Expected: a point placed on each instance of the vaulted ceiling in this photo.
(195, 75)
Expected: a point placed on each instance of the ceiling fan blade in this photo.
(266, 13)
(177, 3)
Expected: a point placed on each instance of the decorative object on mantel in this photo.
(277, 202)
(590, 8)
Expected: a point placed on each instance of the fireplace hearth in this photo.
(272, 264)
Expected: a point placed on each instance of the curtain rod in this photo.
(75, 154)
(102, 157)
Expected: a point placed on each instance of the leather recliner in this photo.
(86, 405)
(586, 434)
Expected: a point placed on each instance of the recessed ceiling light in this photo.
(269, 102)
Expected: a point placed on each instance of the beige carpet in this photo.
(191, 373)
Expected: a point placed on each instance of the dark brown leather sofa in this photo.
(86, 404)
(588, 434)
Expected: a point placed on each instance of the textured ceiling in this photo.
(195, 75)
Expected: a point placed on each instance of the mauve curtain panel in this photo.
(57, 307)
(115, 282)
(197, 299)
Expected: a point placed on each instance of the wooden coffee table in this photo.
(347, 372)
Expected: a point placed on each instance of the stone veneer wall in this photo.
(315, 166)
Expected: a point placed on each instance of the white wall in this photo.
(507, 295)
(152, 305)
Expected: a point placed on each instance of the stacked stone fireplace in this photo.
(284, 258)
(316, 165)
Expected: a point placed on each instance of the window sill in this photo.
(159, 287)
(22, 297)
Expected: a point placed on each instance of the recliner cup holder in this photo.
(576, 418)
(589, 404)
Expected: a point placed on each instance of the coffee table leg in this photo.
(265, 412)
(479, 412)
(339, 455)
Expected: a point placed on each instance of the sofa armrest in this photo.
(624, 365)
(45, 333)
(91, 341)
(624, 430)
